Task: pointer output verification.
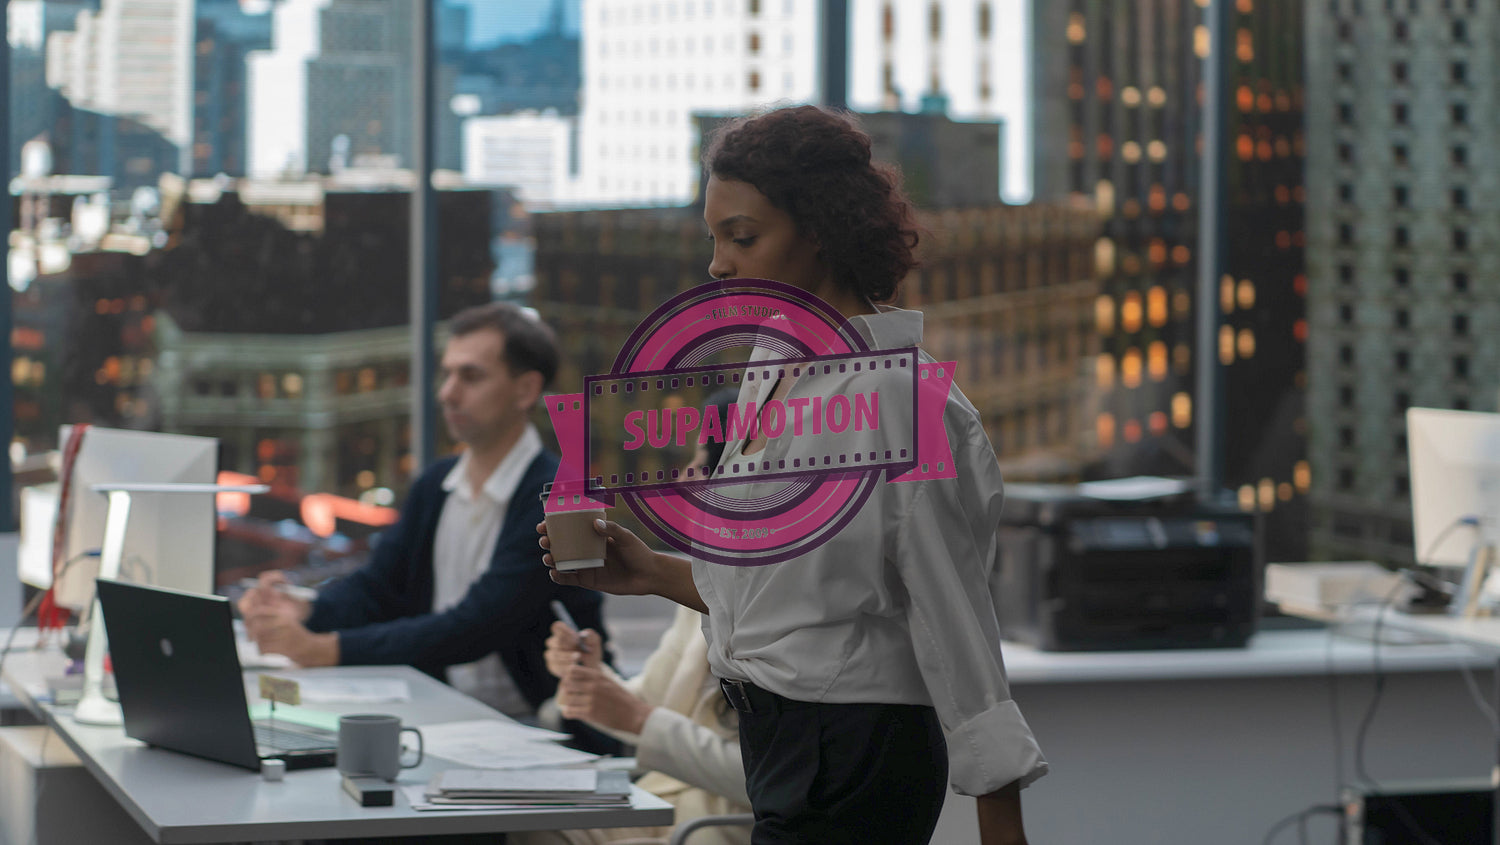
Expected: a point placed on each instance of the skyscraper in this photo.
(225, 35)
(131, 58)
(1402, 250)
(1118, 119)
(648, 66)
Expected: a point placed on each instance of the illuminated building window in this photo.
(1156, 151)
(1104, 197)
(1130, 96)
(1182, 358)
(1104, 430)
(291, 385)
(1156, 360)
(1104, 314)
(1076, 31)
(1265, 494)
(1181, 254)
(1106, 146)
(1244, 49)
(1246, 497)
(1226, 295)
(1104, 88)
(1245, 7)
(1104, 371)
(1130, 312)
(1157, 423)
(1200, 41)
(1226, 345)
(1156, 306)
(1157, 96)
(1130, 368)
(1245, 343)
(1182, 410)
(1181, 201)
(1245, 98)
(1132, 431)
(1245, 294)
(1104, 256)
(1302, 476)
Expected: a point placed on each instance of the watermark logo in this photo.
(855, 417)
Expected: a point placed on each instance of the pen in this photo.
(561, 612)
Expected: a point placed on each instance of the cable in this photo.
(1300, 818)
(36, 601)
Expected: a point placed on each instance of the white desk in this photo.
(1216, 745)
(177, 798)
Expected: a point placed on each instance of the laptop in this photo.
(181, 686)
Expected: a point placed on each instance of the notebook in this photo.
(181, 686)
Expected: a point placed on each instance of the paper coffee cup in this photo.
(575, 544)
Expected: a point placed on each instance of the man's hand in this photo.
(269, 596)
(1000, 816)
(277, 632)
(587, 693)
(567, 648)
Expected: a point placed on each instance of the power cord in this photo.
(1300, 818)
(36, 601)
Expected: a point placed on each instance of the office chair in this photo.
(688, 828)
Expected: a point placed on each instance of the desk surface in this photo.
(1269, 654)
(177, 798)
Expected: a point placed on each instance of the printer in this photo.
(1135, 564)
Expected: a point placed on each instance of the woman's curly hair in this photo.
(815, 165)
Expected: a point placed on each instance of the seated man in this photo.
(456, 587)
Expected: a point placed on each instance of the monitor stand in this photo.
(94, 708)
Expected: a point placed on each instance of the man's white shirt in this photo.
(467, 532)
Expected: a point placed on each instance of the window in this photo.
(1346, 192)
(1399, 154)
(1398, 113)
(1402, 400)
(1403, 322)
(1399, 72)
(1460, 32)
(1458, 73)
(1346, 314)
(1460, 114)
(1346, 354)
(1460, 403)
(1400, 31)
(1461, 366)
(1399, 194)
(1402, 360)
(1460, 156)
(1461, 325)
(1346, 396)
(1403, 277)
(1401, 236)
(1460, 240)
(1460, 282)
(1346, 274)
(1346, 437)
(1346, 114)
(1346, 153)
(1460, 198)
(1346, 234)
(1345, 72)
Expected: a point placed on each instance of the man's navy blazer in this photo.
(383, 611)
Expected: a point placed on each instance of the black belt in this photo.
(751, 699)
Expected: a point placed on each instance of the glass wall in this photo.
(211, 215)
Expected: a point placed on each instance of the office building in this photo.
(225, 36)
(1401, 251)
(540, 73)
(1117, 121)
(131, 58)
(649, 66)
(1008, 292)
(530, 152)
(277, 90)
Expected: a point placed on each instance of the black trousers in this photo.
(842, 773)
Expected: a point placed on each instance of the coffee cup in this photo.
(575, 543)
(370, 746)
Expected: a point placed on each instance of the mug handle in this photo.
(418, 761)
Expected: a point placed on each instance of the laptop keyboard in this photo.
(287, 740)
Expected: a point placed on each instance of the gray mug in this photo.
(370, 745)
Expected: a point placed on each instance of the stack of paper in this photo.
(531, 788)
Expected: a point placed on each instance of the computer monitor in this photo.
(1455, 474)
(169, 539)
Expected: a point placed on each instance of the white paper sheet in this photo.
(353, 690)
(497, 744)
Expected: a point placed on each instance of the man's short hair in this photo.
(530, 344)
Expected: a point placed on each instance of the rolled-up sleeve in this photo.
(944, 546)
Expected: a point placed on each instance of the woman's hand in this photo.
(587, 693)
(629, 565)
(567, 648)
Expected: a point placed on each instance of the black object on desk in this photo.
(1089, 574)
(369, 791)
